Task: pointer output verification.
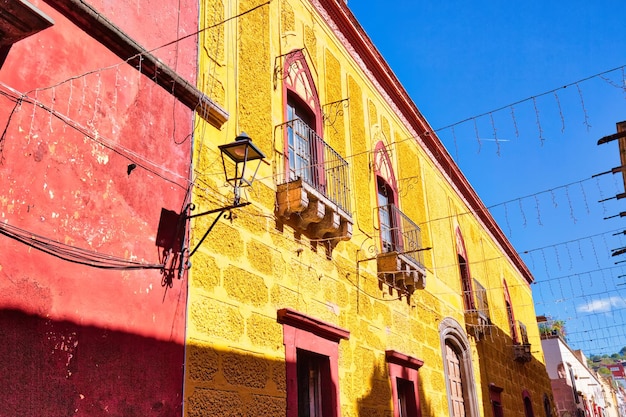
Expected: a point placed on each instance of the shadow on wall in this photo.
(58, 368)
(516, 371)
(378, 401)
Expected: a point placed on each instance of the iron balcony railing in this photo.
(523, 333)
(479, 297)
(308, 157)
(400, 234)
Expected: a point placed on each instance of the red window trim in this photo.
(404, 367)
(381, 156)
(311, 102)
(513, 324)
(381, 149)
(495, 396)
(528, 412)
(465, 281)
(303, 332)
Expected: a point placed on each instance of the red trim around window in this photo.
(404, 367)
(311, 98)
(381, 149)
(296, 72)
(466, 277)
(313, 335)
(510, 313)
(528, 404)
(495, 396)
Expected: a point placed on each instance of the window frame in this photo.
(467, 287)
(452, 333)
(515, 337)
(495, 397)
(304, 333)
(386, 181)
(528, 404)
(300, 93)
(390, 241)
(403, 369)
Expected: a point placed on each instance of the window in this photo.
(523, 333)
(311, 360)
(510, 315)
(403, 372)
(313, 179)
(466, 285)
(464, 272)
(388, 215)
(482, 303)
(495, 396)
(304, 147)
(461, 388)
(528, 405)
(313, 370)
(388, 228)
(573, 380)
(547, 406)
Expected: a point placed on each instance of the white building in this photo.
(578, 390)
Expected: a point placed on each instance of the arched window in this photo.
(387, 195)
(464, 272)
(304, 156)
(495, 396)
(458, 369)
(547, 405)
(510, 314)
(528, 405)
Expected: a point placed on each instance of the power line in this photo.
(71, 253)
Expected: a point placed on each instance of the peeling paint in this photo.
(100, 153)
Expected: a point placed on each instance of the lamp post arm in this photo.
(220, 211)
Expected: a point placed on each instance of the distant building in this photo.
(578, 390)
(617, 370)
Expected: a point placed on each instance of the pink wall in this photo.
(79, 340)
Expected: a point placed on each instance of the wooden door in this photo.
(455, 378)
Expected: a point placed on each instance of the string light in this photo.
(52, 111)
(558, 103)
(538, 121)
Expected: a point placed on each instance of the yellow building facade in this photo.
(365, 277)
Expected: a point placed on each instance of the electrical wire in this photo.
(71, 253)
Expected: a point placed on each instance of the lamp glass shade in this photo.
(241, 152)
(242, 149)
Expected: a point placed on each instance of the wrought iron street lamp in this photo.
(243, 153)
(245, 159)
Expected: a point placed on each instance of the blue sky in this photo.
(520, 93)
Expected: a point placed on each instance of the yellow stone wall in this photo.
(249, 266)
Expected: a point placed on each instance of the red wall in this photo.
(79, 340)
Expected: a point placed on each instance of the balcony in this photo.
(477, 318)
(400, 261)
(521, 353)
(312, 185)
